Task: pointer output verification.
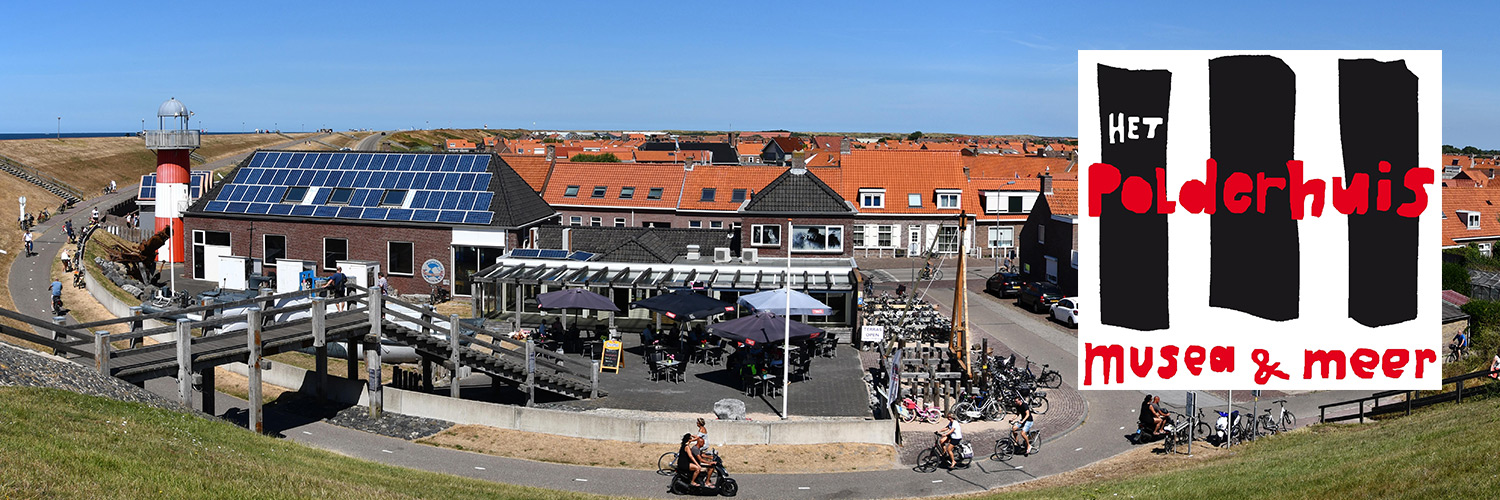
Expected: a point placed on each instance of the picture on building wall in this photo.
(765, 235)
(818, 238)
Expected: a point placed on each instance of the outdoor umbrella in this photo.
(575, 298)
(776, 301)
(684, 305)
(760, 328)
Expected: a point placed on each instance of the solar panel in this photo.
(325, 211)
(466, 201)
(148, 180)
(525, 253)
(450, 182)
(424, 215)
(478, 217)
(456, 216)
(553, 254)
(350, 212)
(281, 209)
(419, 199)
(398, 214)
(258, 208)
(374, 213)
(450, 202)
(303, 210)
(482, 200)
(237, 207)
(447, 188)
(215, 206)
(580, 256)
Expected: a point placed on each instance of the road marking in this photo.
(581, 480)
(937, 480)
(1019, 467)
(387, 451)
(478, 468)
(1077, 449)
(803, 488)
(1122, 427)
(308, 433)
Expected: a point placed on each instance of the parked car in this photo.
(1066, 311)
(1004, 284)
(1039, 295)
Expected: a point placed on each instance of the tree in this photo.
(914, 135)
(599, 158)
(1455, 278)
(1483, 314)
(1471, 150)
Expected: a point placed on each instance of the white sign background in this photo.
(1323, 322)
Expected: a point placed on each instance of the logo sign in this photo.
(871, 333)
(1260, 220)
(819, 312)
(433, 271)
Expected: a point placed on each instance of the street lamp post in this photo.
(59, 128)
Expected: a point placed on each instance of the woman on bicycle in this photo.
(951, 435)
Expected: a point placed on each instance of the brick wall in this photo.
(304, 241)
(640, 217)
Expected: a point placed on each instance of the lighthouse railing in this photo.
(172, 139)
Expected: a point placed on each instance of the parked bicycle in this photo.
(1273, 422)
(919, 411)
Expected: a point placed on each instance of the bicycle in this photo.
(667, 464)
(932, 458)
(1283, 421)
(1049, 378)
(929, 273)
(918, 411)
(1009, 446)
(440, 295)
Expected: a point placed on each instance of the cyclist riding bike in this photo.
(1460, 341)
(1025, 420)
(57, 305)
(951, 436)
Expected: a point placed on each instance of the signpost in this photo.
(610, 359)
(871, 333)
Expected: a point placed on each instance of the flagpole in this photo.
(786, 316)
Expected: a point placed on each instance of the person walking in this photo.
(382, 284)
(94, 217)
(112, 185)
(68, 228)
(66, 262)
(336, 287)
(28, 243)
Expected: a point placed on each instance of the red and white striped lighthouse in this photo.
(172, 148)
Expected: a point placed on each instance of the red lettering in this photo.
(1221, 359)
(1355, 199)
(1169, 360)
(1383, 189)
(1137, 195)
(1238, 184)
(1103, 179)
(1265, 184)
(1334, 357)
(1195, 354)
(1415, 180)
(1141, 369)
(1363, 362)
(1393, 361)
(1107, 354)
(1300, 190)
(1198, 196)
(1425, 356)
(1163, 205)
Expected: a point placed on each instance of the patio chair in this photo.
(653, 369)
(830, 346)
(679, 372)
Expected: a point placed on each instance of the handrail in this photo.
(1410, 402)
(38, 339)
(224, 320)
(72, 331)
(75, 192)
(194, 309)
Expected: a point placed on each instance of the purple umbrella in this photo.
(762, 327)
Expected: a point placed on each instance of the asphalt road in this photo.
(371, 143)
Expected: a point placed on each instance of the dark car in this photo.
(1004, 284)
(1039, 296)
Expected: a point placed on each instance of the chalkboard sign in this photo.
(611, 358)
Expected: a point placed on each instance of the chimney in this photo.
(844, 146)
(551, 152)
(1046, 184)
(1025, 147)
(799, 160)
(693, 253)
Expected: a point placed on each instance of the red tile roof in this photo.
(903, 172)
(724, 179)
(1454, 298)
(532, 168)
(613, 176)
(1485, 201)
(750, 148)
(789, 144)
(1013, 167)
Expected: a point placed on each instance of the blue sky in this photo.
(982, 68)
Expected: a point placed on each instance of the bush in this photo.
(1455, 278)
(599, 158)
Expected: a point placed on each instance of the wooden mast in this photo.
(958, 342)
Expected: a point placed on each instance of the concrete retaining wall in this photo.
(111, 303)
(581, 424)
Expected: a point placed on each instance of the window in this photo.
(708, 194)
(575, 221)
(295, 194)
(947, 239)
(663, 225)
(399, 258)
(695, 224)
(857, 235)
(619, 222)
(599, 192)
(1472, 218)
(886, 236)
(340, 196)
(737, 195)
(393, 198)
(1041, 234)
(947, 198)
(872, 198)
(596, 222)
(818, 238)
(274, 248)
(765, 235)
(334, 250)
(1002, 237)
(717, 224)
(654, 194)
(627, 192)
(914, 200)
(1051, 269)
(1015, 204)
(571, 192)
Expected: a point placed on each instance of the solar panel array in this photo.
(199, 179)
(531, 253)
(438, 188)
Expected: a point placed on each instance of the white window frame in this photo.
(391, 269)
(872, 198)
(619, 222)
(1051, 269)
(889, 232)
(941, 246)
(324, 257)
(948, 199)
(857, 236)
(914, 200)
(576, 220)
(716, 224)
(596, 221)
(264, 257)
(757, 238)
(1009, 240)
(1472, 218)
(828, 230)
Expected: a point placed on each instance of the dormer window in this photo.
(871, 198)
(1471, 219)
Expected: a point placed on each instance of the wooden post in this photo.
(252, 340)
(185, 362)
(102, 351)
(206, 389)
(454, 331)
(135, 326)
(932, 385)
(594, 380)
(530, 372)
(57, 320)
(319, 311)
(372, 347)
(209, 330)
(426, 375)
(519, 305)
